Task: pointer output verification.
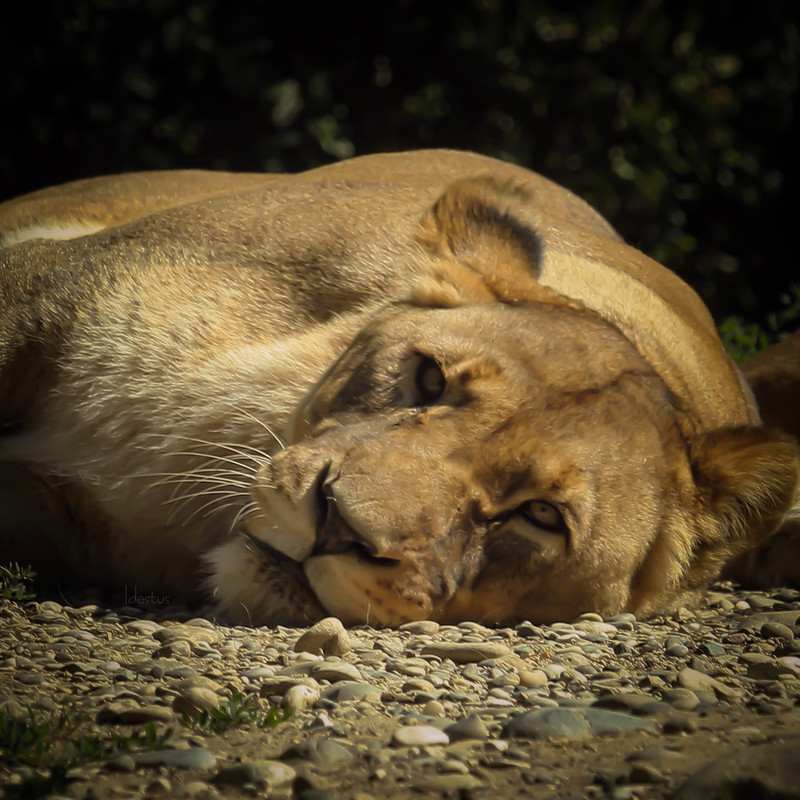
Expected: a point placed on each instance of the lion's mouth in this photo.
(352, 572)
(280, 536)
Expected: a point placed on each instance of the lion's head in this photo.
(489, 449)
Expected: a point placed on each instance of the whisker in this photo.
(240, 448)
(203, 493)
(223, 459)
(210, 505)
(277, 437)
(220, 479)
(242, 513)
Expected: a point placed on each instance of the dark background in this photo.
(676, 119)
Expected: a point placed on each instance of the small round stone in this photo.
(419, 736)
(301, 697)
(335, 671)
(267, 773)
(326, 637)
(472, 727)
(193, 700)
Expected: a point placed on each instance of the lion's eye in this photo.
(544, 515)
(429, 381)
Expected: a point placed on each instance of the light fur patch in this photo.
(71, 230)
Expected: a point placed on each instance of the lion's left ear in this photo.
(746, 480)
(483, 251)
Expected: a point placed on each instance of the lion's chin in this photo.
(251, 586)
(359, 591)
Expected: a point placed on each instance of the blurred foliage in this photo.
(676, 120)
(744, 339)
(15, 582)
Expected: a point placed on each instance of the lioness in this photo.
(417, 385)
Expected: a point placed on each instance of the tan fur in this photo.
(410, 385)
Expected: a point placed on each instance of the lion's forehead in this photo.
(522, 347)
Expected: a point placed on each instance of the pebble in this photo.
(185, 759)
(321, 751)
(326, 637)
(335, 671)
(353, 690)
(129, 713)
(447, 785)
(466, 652)
(572, 724)
(635, 702)
(681, 699)
(419, 736)
(451, 708)
(261, 773)
(424, 627)
(767, 771)
(193, 700)
(301, 697)
(693, 680)
(189, 633)
(472, 727)
(532, 677)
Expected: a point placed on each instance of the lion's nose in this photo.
(344, 527)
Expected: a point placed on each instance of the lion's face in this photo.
(482, 462)
(491, 450)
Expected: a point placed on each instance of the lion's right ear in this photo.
(746, 481)
(483, 251)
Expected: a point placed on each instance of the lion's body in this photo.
(160, 333)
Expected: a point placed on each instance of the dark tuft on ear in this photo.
(473, 215)
(485, 250)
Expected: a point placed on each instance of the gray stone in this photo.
(572, 723)
(322, 751)
(123, 763)
(470, 728)
(353, 690)
(680, 723)
(261, 773)
(130, 713)
(419, 736)
(635, 702)
(466, 652)
(681, 699)
(327, 637)
(776, 630)
(190, 633)
(447, 785)
(694, 680)
(193, 758)
(612, 722)
(549, 723)
(335, 671)
(422, 627)
(765, 771)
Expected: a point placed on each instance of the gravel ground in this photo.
(704, 703)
